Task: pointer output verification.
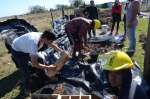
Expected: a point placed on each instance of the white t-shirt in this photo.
(27, 43)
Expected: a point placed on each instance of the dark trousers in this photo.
(116, 19)
(93, 31)
(124, 20)
(113, 25)
(76, 43)
(21, 60)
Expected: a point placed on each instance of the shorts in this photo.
(116, 17)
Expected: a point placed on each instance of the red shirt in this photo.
(117, 9)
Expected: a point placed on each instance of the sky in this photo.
(18, 7)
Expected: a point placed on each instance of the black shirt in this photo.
(92, 12)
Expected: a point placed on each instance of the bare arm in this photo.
(64, 58)
(53, 45)
(40, 66)
(61, 62)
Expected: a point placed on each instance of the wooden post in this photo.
(63, 12)
(147, 57)
(52, 20)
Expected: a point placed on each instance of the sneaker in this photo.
(130, 53)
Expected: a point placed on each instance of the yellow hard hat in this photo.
(118, 60)
(97, 24)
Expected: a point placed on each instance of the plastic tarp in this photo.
(90, 78)
(13, 28)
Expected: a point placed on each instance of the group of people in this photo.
(25, 48)
(78, 28)
(131, 10)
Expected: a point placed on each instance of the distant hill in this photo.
(43, 21)
(108, 5)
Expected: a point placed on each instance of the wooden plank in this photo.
(63, 12)
(147, 57)
(52, 20)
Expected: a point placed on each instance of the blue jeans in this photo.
(21, 60)
(131, 38)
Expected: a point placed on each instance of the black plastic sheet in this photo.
(14, 28)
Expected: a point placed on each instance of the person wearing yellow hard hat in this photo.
(77, 29)
(118, 67)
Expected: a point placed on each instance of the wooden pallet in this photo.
(57, 96)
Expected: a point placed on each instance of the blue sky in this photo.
(17, 7)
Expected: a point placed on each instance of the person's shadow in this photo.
(8, 83)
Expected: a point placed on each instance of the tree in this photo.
(59, 6)
(105, 5)
(76, 3)
(66, 7)
(37, 9)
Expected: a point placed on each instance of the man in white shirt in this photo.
(25, 48)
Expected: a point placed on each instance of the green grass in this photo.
(9, 75)
(141, 28)
(3, 50)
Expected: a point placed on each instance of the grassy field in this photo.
(141, 28)
(9, 75)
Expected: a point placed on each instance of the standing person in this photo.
(116, 16)
(77, 29)
(25, 48)
(120, 78)
(91, 13)
(131, 19)
(124, 18)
